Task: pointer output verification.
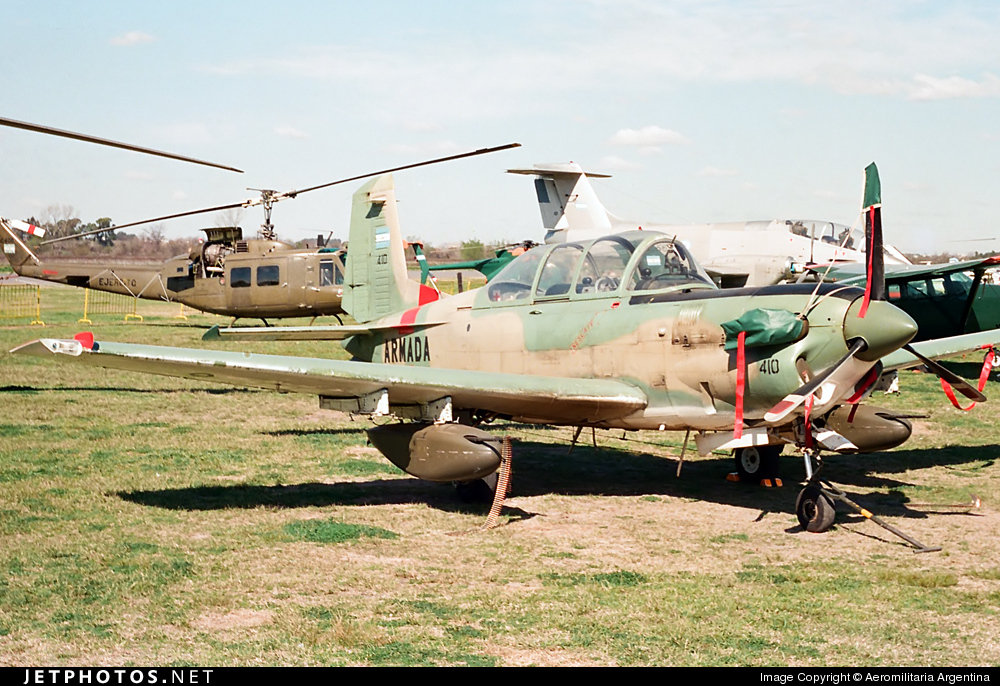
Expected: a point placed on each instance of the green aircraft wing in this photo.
(306, 333)
(940, 348)
(854, 273)
(546, 398)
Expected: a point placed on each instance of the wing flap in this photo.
(543, 398)
(305, 333)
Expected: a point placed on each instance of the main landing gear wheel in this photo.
(815, 510)
(756, 463)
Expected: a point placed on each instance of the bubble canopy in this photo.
(610, 266)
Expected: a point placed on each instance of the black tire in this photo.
(815, 510)
(756, 463)
(477, 491)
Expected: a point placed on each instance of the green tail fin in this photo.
(376, 283)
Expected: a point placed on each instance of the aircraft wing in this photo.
(939, 348)
(304, 333)
(544, 398)
(855, 272)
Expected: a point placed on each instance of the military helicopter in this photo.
(226, 274)
(624, 331)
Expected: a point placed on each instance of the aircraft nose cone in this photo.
(885, 328)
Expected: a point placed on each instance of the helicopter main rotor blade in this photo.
(481, 151)
(273, 197)
(145, 221)
(13, 123)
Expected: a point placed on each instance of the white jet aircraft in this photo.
(735, 254)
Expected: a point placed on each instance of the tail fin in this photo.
(570, 208)
(16, 251)
(376, 283)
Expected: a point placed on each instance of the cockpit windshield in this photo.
(831, 233)
(514, 281)
(665, 264)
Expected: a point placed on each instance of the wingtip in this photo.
(212, 334)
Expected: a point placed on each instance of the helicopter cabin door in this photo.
(324, 283)
(258, 287)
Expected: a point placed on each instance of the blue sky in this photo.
(702, 111)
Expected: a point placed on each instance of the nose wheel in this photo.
(814, 509)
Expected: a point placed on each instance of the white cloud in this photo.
(289, 132)
(930, 88)
(132, 38)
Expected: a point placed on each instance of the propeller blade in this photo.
(13, 123)
(799, 395)
(957, 382)
(872, 208)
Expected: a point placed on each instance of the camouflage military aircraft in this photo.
(624, 331)
(225, 274)
(735, 254)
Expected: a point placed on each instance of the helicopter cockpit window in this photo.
(325, 273)
(667, 264)
(239, 277)
(513, 282)
(557, 273)
(604, 265)
(268, 275)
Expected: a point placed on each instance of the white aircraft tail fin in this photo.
(570, 208)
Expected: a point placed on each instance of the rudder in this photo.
(376, 283)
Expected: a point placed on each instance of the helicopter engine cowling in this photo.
(438, 452)
(871, 428)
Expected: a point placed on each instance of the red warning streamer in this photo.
(870, 254)
(984, 374)
(741, 379)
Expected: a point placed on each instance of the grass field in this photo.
(153, 521)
